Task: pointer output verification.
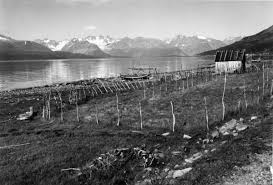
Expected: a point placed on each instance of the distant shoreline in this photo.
(20, 59)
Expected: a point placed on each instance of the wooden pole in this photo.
(117, 110)
(173, 115)
(263, 79)
(153, 90)
(61, 101)
(43, 116)
(77, 108)
(223, 103)
(239, 106)
(192, 79)
(271, 90)
(49, 99)
(140, 113)
(206, 114)
(245, 94)
(97, 114)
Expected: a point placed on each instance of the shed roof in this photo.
(229, 55)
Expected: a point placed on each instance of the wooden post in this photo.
(271, 88)
(187, 81)
(267, 77)
(206, 114)
(117, 110)
(140, 113)
(263, 79)
(61, 101)
(77, 108)
(43, 116)
(153, 90)
(97, 114)
(223, 103)
(191, 79)
(84, 93)
(173, 115)
(49, 99)
(239, 106)
(258, 98)
(245, 94)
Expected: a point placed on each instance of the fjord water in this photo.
(30, 73)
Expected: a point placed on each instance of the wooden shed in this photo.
(230, 61)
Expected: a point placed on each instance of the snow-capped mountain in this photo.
(52, 44)
(140, 46)
(231, 40)
(192, 45)
(101, 41)
(179, 45)
(82, 46)
(5, 38)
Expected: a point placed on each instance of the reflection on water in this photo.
(21, 74)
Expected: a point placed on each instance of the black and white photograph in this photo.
(136, 92)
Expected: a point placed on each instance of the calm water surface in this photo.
(29, 73)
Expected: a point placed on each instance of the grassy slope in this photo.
(54, 145)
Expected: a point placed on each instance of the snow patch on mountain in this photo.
(202, 37)
(60, 45)
(3, 38)
(101, 41)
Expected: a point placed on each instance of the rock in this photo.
(226, 133)
(180, 173)
(137, 132)
(228, 126)
(163, 174)
(177, 166)
(241, 120)
(194, 157)
(160, 155)
(205, 141)
(185, 136)
(166, 169)
(88, 118)
(170, 174)
(176, 152)
(171, 182)
(235, 134)
(166, 134)
(253, 117)
(145, 182)
(231, 124)
(206, 151)
(148, 169)
(212, 150)
(215, 134)
(241, 127)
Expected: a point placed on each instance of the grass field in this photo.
(52, 145)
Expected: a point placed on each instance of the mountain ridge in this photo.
(257, 43)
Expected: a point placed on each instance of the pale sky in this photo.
(64, 19)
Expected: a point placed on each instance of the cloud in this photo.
(88, 28)
(94, 2)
